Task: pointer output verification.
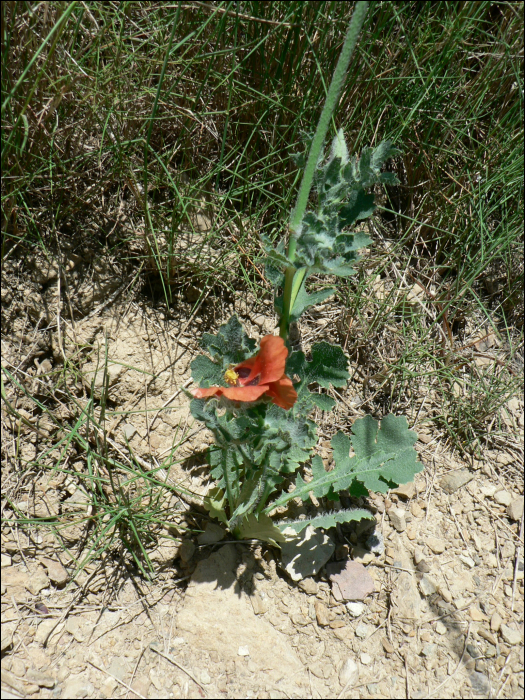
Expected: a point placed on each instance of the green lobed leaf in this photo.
(326, 520)
(285, 443)
(207, 373)
(384, 458)
(231, 345)
(228, 428)
(340, 183)
(327, 366)
(214, 502)
(322, 401)
(259, 527)
(392, 444)
(393, 435)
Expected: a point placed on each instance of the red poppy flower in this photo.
(261, 375)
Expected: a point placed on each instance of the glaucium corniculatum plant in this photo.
(257, 401)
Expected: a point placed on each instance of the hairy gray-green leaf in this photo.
(384, 458)
(341, 183)
(231, 345)
(326, 520)
(328, 366)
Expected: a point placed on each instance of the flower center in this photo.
(231, 377)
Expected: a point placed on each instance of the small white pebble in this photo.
(365, 658)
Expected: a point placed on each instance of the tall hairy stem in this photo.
(291, 286)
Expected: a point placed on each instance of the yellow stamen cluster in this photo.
(231, 377)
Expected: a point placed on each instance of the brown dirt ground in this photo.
(446, 617)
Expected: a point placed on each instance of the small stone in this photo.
(5, 560)
(118, 668)
(412, 531)
(212, 533)
(365, 658)
(503, 498)
(7, 637)
(321, 613)
(424, 438)
(205, 677)
(243, 651)
(362, 630)
(473, 651)
(406, 491)
(482, 632)
(356, 609)
(320, 669)
(441, 628)
(78, 687)
(390, 552)
(37, 581)
(299, 620)
(453, 481)
(423, 567)
(75, 630)
(510, 635)
(55, 571)
(480, 684)
(416, 510)
(489, 490)
(109, 686)
(44, 630)
(336, 624)
(308, 586)
(436, 545)
(387, 645)
(491, 560)
(344, 634)
(495, 622)
(166, 551)
(258, 604)
(158, 681)
(515, 509)
(427, 586)
(350, 581)
(418, 555)
(468, 561)
(349, 673)
(342, 552)
(397, 518)
(362, 555)
(429, 650)
(186, 551)
(128, 431)
(476, 614)
(445, 594)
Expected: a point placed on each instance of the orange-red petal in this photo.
(282, 393)
(204, 393)
(235, 393)
(244, 393)
(268, 364)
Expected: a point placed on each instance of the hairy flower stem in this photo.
(332, 99)
(291, 285)
(287, 303)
